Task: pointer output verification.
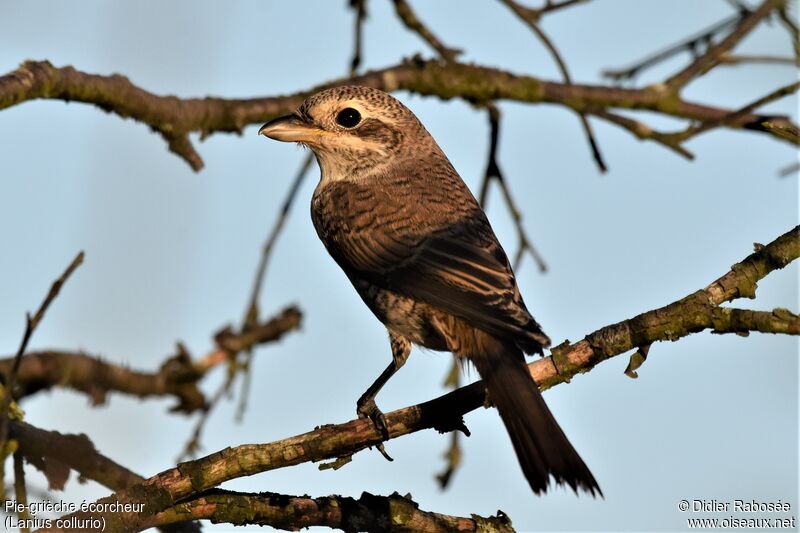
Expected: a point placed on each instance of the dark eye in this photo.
(348, 117)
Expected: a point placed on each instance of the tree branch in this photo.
(360, 9)
(691, 44)
(549, 7)
(707, 61)
(644, 132)
(493, 173)
(178, 375)
(531, 19)
(54, 453)
(791, 135)
(413, 23)
(7, 392)
(176, 117)
(691, 314)
(393, 513)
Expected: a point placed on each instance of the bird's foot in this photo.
(367, 408)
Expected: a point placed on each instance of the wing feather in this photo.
(456, 264)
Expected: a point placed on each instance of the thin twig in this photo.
(193, 445)
(708, 60)
(230, 344)
(261, 272)
(493, 173)
(726, 120)
(532, 22)
(31, 323)
(249, 321)
(453, 454)
(30, 326)
(691, 44)
(789, 170)
(791, 27)
(360, 8)
(251, 314)
(549, 7)
(20, 492)
(728, 59)
(645, 132)
(413, 23)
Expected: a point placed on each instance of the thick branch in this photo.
(54, 454)
(172, 117)
(41, 447)
(684, 317)
(175, 117)
(95, 377)
(393, 513)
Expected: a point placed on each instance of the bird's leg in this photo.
(366, 406)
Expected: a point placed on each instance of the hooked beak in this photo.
(289, 128)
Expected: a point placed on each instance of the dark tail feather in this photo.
(542, 448)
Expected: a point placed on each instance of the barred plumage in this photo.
(397, 218)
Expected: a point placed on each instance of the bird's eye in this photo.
(348, 117)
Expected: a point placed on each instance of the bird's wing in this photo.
(459, 268)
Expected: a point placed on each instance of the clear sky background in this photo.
(170, 254)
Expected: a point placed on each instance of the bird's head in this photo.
(352, 130)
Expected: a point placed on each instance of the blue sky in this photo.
(170, 254)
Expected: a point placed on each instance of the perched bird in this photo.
(397, 218)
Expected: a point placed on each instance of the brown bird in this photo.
(397, 218)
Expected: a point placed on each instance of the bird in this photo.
(397, 218)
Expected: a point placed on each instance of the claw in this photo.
(367, 408)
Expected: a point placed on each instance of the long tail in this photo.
(541, 446)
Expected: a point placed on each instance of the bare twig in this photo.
(30, 326)
(360, 8)
(32, 322)
(493, 174)
(689, 315)
(531, 20)
(788, 134)
(251, 315)
(413, 23)
(644, 132)
(20, 492)
(690, 44)
(229, 345)
(548, 7)
(728, 59)
(453, 454)
(791, 27)
(266, 251)
(789, 170)
(708, 60)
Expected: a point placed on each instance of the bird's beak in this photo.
(289, 128)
